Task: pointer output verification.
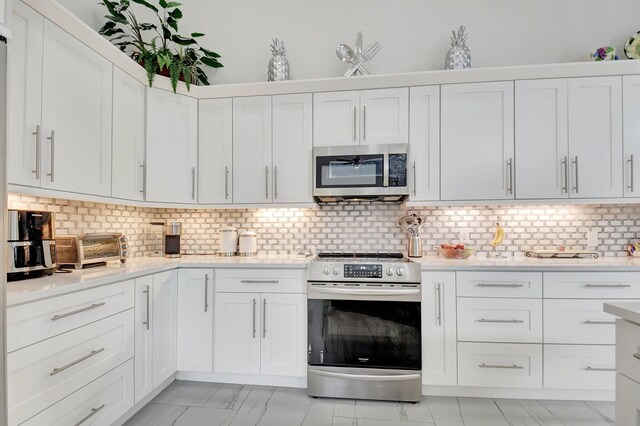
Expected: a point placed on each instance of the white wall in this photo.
(414, 33)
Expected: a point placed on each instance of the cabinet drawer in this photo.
(627, 402)
(260, 280)
(500, 320)
(37, 321)
(499, 365)
(499, 284)
(44, 373)
(628, 349)
(578, 321)
(579, 367)
(101, 402)
(592, 285)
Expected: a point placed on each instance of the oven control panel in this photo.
(362, 271)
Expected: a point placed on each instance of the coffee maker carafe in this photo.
(32, 246)
(171, 239)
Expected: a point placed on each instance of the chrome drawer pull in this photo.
(260, 281)
(439, 295)
(500, 285)
(636, 355)
(513, 321)
(599, 369)
(77, 311)
(91, 414)
(589, 322)
(264, 318)
(78, 361)
(206, 293)
(147, 320)
(607, 285)
(253, 326)
(509, 367)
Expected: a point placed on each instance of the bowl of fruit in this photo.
(456, 251)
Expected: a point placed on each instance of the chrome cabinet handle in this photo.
(91, 414)
(364, 123)
(498, 321)
(636, 355)
(143, 166)
(598, 369)
(415, 182)
(591, 322)
(266, 182)
(631, 184)
(206, 292)
(226, 183)
(264, 318)
(37, 135)
(193, 183)
(510, 171)
(77, 311)
(511, 367)
(355, 119)
(499, 285)
(439, 298)
(52, 138)
(254, 318)
(565, 165)
(275, 182)
(607, 285)
(147, 315)
(576, 188)
(78, 361)
(259, 281)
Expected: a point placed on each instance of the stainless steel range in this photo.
(364, 334)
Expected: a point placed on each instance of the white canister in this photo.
(248, 243)
(228, 244)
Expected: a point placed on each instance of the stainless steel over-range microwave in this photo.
(360, 173)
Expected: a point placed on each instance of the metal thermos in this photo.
(171, 239)
(415, 246)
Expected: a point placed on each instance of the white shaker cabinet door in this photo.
(424, 140)
(76, 115)
(164, 325)
(595, 137)
(284, 334)
(143, 326)
(215, 151)
(439, 352)
(385, 116)
(172, 147)
(292, 145)
(477, 141)
(542, 147)
(195, 320)
(237, 329)
(127, 180)
(631, 89)
(252, 171)
(25, 97)
(336, 118)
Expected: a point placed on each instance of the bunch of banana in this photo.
(498, 237)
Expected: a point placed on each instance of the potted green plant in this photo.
(165, 51)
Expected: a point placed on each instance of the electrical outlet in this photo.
(592, 238)
(463, 236)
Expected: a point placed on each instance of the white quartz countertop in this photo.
(629, 311)
(20, 292)
(523, 263)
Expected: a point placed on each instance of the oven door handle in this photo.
(367, 377)
(371, 292)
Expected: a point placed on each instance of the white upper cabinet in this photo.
(595, 137)
(632, 135)
(477, 141)
(127, 180)
(172, 147)
(292, 145)
(542, 146)
(76, 115)
(424, 140)
(252, 172)
(25, 97)
(361, 117)
(215, 151)
(195, 320)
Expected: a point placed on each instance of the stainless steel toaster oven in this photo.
(84, 250)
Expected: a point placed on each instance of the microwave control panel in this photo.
(397, 170)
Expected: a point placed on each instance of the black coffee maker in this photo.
(32, 246)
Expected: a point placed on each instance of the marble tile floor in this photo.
(198, 404)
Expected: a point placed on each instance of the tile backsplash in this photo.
(362, 226)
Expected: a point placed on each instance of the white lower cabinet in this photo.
(627, 401)
(195, 320)
(439, 353)
(144, 337)
(578, 322)
(101, 402)
(500, 365)
(579, 367)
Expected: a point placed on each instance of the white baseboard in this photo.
(244, 379)
(519, 393)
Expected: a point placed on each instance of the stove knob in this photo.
(389, 271)
(400, 272)
(336, 271)
(327, 270)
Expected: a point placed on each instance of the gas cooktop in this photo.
(346, 257)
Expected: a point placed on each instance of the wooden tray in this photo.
(567, 254)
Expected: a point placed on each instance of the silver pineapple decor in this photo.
(459, 56)
(278, 64)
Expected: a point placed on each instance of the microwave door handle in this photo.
(385, 170)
